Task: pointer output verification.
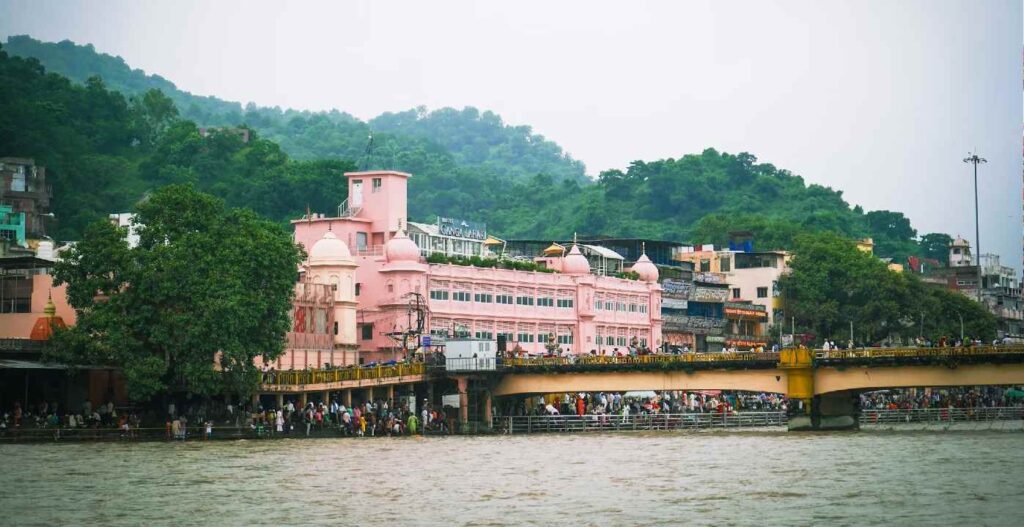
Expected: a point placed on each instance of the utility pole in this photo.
(973, 159)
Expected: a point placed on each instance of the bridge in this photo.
(824, 385)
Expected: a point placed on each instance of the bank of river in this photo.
(754, 477)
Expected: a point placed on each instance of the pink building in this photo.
(584, 311)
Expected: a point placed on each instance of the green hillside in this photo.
(476, 140)
(105, 150)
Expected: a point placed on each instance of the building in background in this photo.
(565, 305)
(745, 325)
(1000, 286)
(24, 200)
(752, 276)
(124, 219)
(868, 245)
(450, 237)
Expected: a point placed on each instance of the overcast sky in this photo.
(879, 99)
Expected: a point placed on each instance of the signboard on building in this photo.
(745, 311)
(708, 294)
(700, 325)
(458, 228)
(675, 288)
(673, 303)
(709, 278)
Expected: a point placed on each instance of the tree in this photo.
(831, 283)
(935, 245)
(893, 235)
(207, 289)
(152, 115)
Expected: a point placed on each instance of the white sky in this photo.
(879, 99)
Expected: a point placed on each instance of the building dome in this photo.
(48, 323)
(329, 250)
(646, 269)
(401, 249)
(575, 262)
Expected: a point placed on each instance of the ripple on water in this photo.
(704, 477)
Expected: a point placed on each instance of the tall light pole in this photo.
(973, 159)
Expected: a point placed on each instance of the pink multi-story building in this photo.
(584, 312)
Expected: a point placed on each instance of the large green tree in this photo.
(935, 245)
(831, 284)
(207, 289)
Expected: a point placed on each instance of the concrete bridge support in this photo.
(829, 411)
(463, 383)
(488, 415)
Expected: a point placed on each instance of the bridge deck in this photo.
(358, 377)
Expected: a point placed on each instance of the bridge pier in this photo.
(463, 385)
(488, 417)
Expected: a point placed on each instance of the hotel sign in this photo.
(458, 228)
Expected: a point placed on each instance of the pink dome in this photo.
(329, 250)
(401, 249)
(575, 262)
(646, 269)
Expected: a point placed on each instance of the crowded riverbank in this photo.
(969, 408)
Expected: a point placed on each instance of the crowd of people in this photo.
(45, 414)
(641, 403)
(368, 419)
(918, 398)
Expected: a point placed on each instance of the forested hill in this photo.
(474, 140)
(105, 150)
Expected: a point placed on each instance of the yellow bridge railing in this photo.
(321, 376)
(587, 360)
(900, 353)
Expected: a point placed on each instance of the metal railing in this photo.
(940, 415)
(531, 424)
(636, 360)
(320, 376)
(895, 353)
(344, 211)
(370, 250)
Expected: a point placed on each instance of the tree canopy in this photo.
(105, 151)
(207, 289)
(832, 283)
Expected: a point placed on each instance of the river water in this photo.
(660, 478)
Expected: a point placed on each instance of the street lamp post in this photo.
(973, 159)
